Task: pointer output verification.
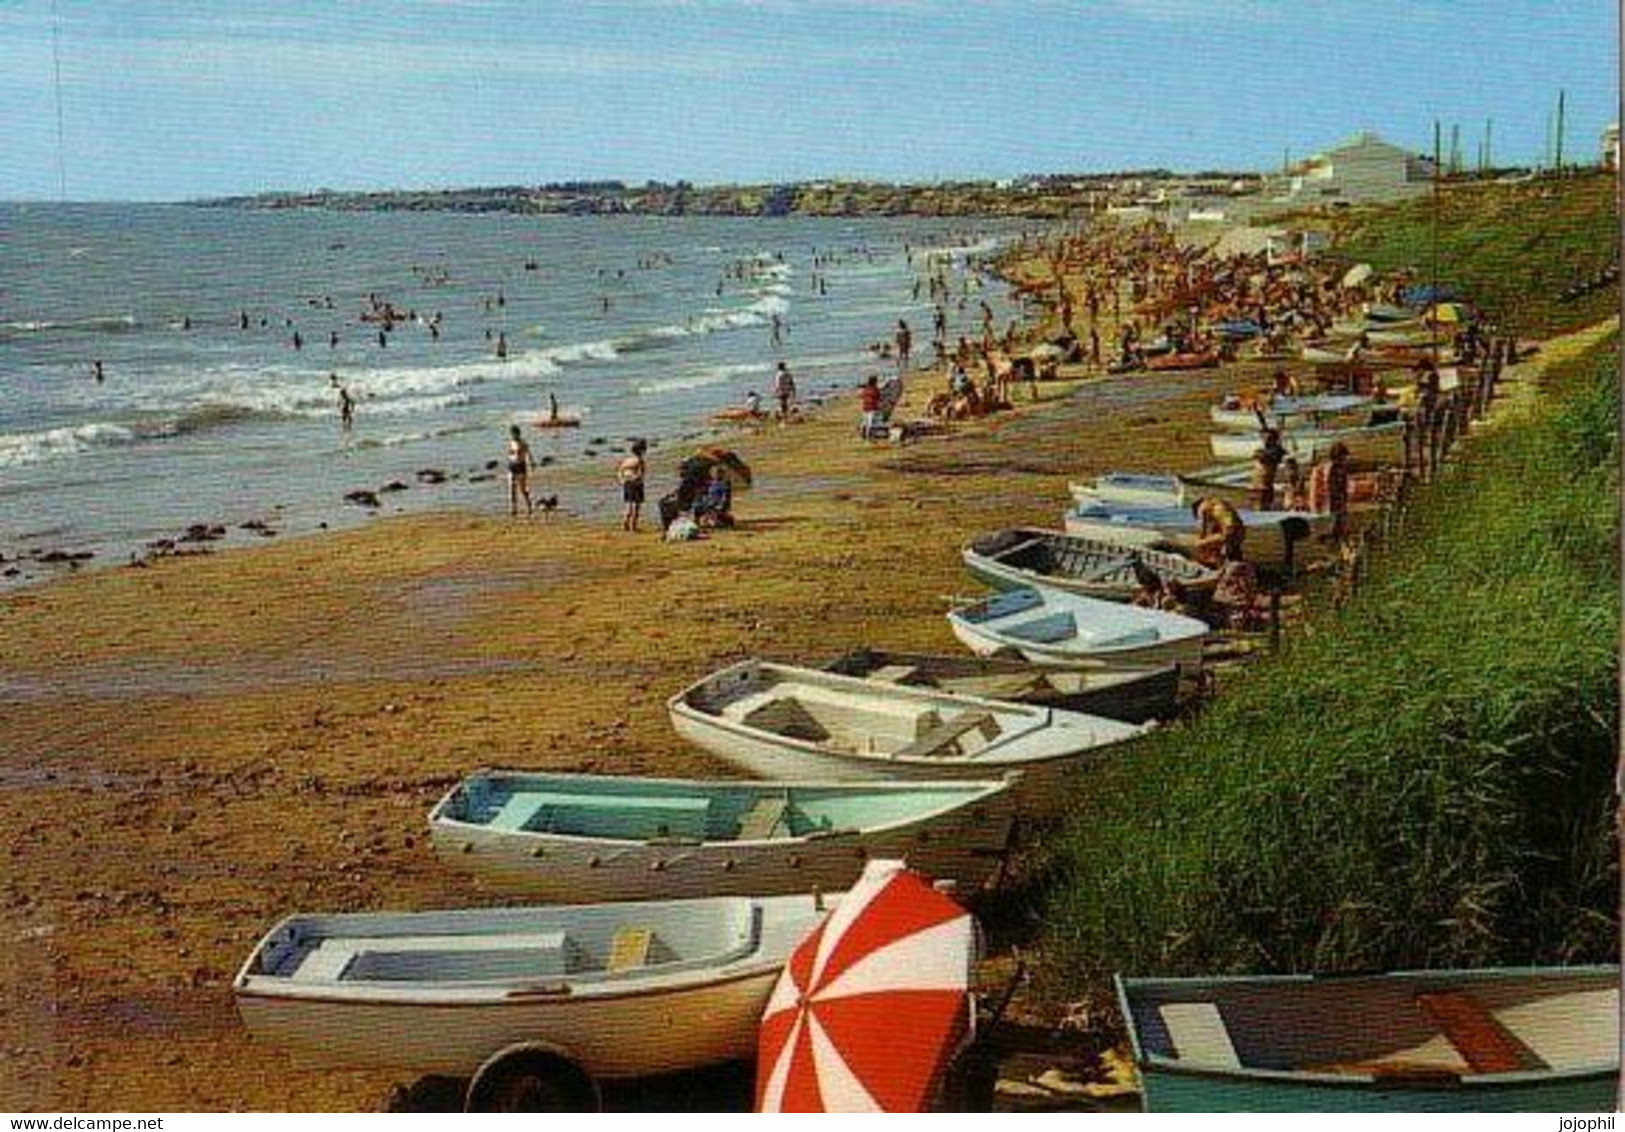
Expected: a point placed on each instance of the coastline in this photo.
(302, 703)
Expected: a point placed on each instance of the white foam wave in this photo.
(711, 375)
(110, 322)
(19, 449)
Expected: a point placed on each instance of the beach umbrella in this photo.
(1357, 275)
(724, 460)
(1449, 312)
(873, 1005)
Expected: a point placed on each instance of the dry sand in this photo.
(192, 750)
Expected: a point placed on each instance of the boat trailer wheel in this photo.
(531, 1078)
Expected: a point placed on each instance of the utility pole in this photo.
(1455, 148)
(1558, 162)
(1489, 156)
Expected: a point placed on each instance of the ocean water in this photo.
(639, 326)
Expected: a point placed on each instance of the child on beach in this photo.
(631, 473)
(784, 391)
(869, 404)
(519, 466)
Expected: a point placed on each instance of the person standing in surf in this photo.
(905, 342)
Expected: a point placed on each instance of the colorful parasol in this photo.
(873, 1005)
(718, 459)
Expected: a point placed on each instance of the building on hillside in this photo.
(1363, 170)
(1610, 147)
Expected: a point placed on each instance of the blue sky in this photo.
(173, 100)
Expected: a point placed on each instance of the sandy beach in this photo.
(196, 748)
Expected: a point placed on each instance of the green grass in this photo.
(1422, 777)
(1512, 249)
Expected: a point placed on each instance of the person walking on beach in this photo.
(784, 391)
(519, 466)
(869, 405)
(632, 472)
(1267, 459)
(905, 342)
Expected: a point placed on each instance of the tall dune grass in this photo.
(1422, 777)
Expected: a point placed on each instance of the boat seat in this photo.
(1199, 1034)
(938, 739)
(630, 949)
(759, 822)
(1045, 630)
(740, 709)
(1484, 1044)
(518, 812)
(393, 958)
(1566, 1030)
(893, 673)
(1013, 601)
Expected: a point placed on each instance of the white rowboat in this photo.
(1048, 626)
(587, 838)
(621, 990)
(786, 723)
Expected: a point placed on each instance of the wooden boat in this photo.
(1173, 525)
(581, 838)
(1131, 693)
(1379, 444)
(621, 990)
(1520, 1040)
(1051, 627)
(1330, 355)
(1205, 359)
(1026, 556)
(786, 723)
(1319, 410)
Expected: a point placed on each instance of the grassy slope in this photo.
(1420, 779)
(1511, 248)
(1423, 777)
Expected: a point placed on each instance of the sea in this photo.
(150, 381)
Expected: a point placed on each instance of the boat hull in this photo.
(1185, 653)
(636, 1034)
(762, 757)
(965, 844)
(1171, 1091)
(1265, 544)
(1097, 581)
(1129, 693)
(1485, 1040)
(1380, 444)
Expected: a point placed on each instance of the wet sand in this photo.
(191, 750)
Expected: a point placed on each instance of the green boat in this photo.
(1542, 1039)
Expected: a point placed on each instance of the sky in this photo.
(177, 99)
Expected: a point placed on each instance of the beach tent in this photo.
(1426, 295)
(873, 1006)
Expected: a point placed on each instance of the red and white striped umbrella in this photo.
(872, 1006)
